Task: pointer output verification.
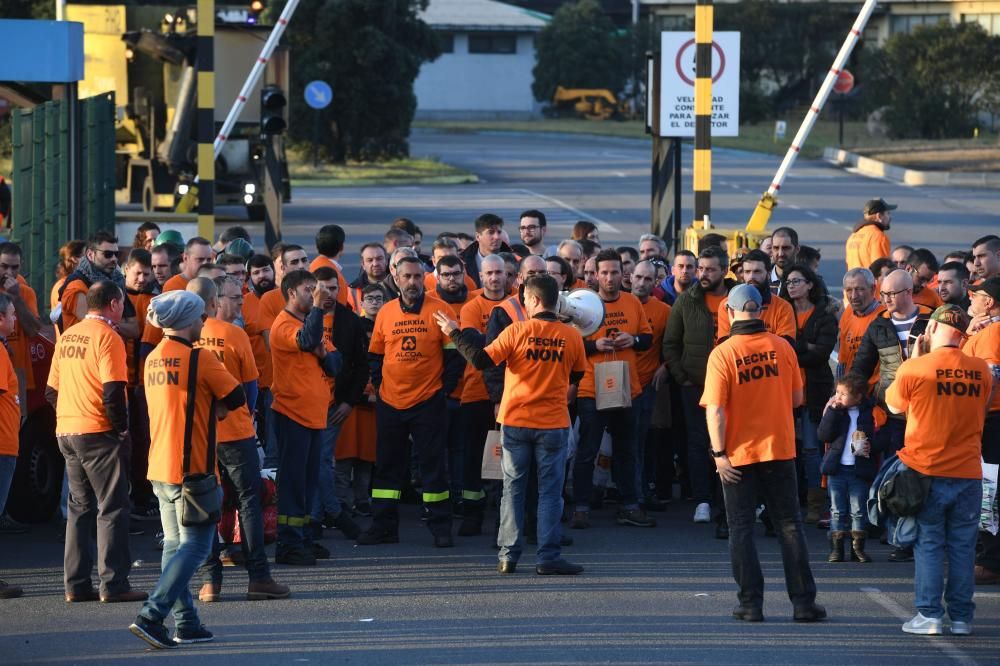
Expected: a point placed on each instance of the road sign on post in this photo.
(677, 78)
(844, 83)
(318, 95)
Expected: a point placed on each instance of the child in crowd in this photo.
(848, 428)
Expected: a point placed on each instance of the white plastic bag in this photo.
(989, 520)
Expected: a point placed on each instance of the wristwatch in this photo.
(718, 454)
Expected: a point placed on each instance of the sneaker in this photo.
(145, 513)
(158, 540)
(635, 518)
(10, 526)
(927, 626)
(153, 633)
(580, 520)
(959, 628)
(9, 591)
(703, 513)
(197, 634)
(267, 589)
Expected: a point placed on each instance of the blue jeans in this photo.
(848, 499)
(620, 424)
(298, 469)
(325, 500)
(184, 550)
(810, 449)
(7, 465)
(267, 431)
(548, 449)
(948, 523)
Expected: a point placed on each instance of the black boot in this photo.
(836, 546)
(858, 547)
(472, 519)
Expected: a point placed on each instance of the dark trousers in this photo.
(239, 466)
(477, 420)
(776, 481)
(138, 428)
(456, 448)
(427, 424)
(298, 472)
(989, 557)
(699, 461)
(97, 468)
(620, 424)
(889, 437)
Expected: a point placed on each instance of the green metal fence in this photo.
(41, 187)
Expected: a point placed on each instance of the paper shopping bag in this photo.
(492, 469)
(612, 386)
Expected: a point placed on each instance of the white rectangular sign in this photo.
(677, 74)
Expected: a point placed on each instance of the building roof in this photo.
(481, 15)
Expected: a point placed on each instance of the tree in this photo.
(370, 52)
(934, 81)
(579, 48)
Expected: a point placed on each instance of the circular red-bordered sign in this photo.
(844, 82)
(680, 70)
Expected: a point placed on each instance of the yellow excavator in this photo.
(589, 103)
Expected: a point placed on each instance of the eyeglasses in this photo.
(893, 294)
(373, 299)
(454, 275)
(794, 282)
(530, 227)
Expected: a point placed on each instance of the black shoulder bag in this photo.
(201, 501)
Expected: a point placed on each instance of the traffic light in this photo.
(272, 110)
(256, 8)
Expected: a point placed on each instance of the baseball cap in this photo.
(953, 316)
(990, 287)
(873, 206)
(741, 295)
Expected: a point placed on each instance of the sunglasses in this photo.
(108, 254)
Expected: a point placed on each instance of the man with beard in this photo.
(489, 240)
(444, 247)
(859, 290)
(197, 253)
(682, 274)
(589, 275)
(99, 262)
(374, 270)
(532, 228)
(414, 365)
(868, 242)
(776, 313)
(784, 254)
(922, 266)
(953, 284)
(688, 340)
(261, 281)
(629, 256)
(986, 258)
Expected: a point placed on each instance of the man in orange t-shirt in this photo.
(26, 308)
(859, 290)
(776, 313)
(239, 464)
(414, 366)
(652, 377)
(197, 253)
(944, 394)
(624, 333)
(868, 241)
(302, 360)
(752, 383)
(10, 420)
(86, 385)
(329, 246)
(543, 357)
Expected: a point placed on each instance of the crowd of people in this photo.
(731, 378)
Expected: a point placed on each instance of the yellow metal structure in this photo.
(736, 239)
(590, 103)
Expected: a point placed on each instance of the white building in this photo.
(487, 54)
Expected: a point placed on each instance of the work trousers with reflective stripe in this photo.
(298, 472)
(477, 420)
(427, 424)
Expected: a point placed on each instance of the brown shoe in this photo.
(210, 592)
(986, 576)
(89, 595)
(9, 591)
(267, 589)
(124, 597)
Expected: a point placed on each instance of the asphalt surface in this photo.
(660, 595)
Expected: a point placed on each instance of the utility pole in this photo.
(205, 118)
(703, 20)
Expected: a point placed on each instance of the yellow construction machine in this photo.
(589, 103)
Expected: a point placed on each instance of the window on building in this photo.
(675, 22)
(495, 43)
(446, 41)
(906, 24)
(990, 22)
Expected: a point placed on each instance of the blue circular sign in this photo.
(318, 94)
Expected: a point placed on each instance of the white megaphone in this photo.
(583, 309)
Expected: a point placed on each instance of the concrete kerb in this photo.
(876, 169)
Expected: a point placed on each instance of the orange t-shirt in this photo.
(778, 316)
(342, 286)
(715, 303)
(255, 331)
(928, 297)
(456, 314)
(753, 378)
(85, 359)
(18, 343)
(141, 304)
(54, 294)
(540, 354)
(475, 315)
(328, 337)
(985, 344)
(166, 381)
(944, 394)
(299, 385)
(412, 346)
(624, 315)
(73, 290)
(271, 304)
(231, 346)
(657, 313)
(10, 408)
(176, 283)
(866, 245)
(852, 332)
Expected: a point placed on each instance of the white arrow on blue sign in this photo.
(318, 94)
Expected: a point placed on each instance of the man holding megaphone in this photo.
(543, 357)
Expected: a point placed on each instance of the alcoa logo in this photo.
(409, 343)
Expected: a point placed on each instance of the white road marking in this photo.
(793, 206)
(812, 214)
(833, 221)
(601, 224)
(620, 174)
(943, 644)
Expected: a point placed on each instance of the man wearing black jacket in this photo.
(489, 240)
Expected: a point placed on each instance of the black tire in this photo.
(256, 212)
(37, 487)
